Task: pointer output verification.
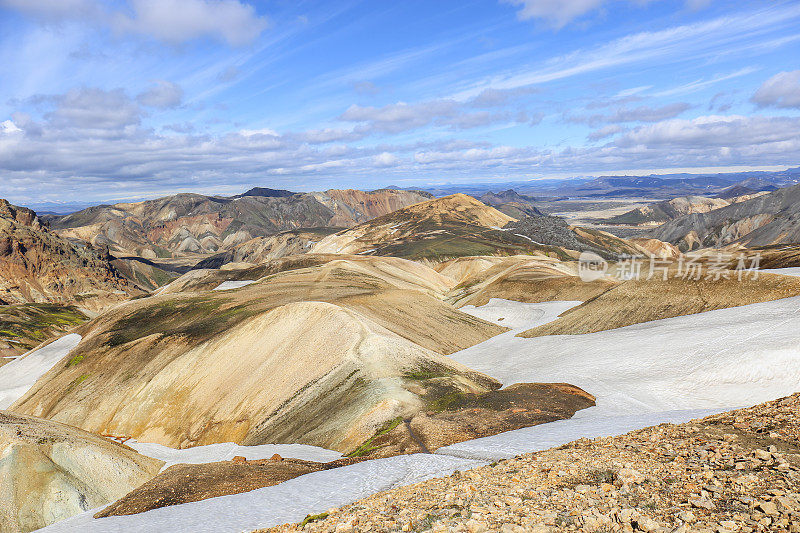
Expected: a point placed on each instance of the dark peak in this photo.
(509, 195)
(21, 215)
(266, 192)
(734, 191)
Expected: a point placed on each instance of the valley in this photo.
(503, 266)
(434, 338)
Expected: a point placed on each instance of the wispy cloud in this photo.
(690, 42)
(559, 13)
(698, 85)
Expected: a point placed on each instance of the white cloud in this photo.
(93, 109)
(385, 159)
(632, 91)
(178, 21)
(327, 135)
(649, 114)
(499, 97)
(8, 126)
(637, 114)
(781, 90)
(172, 21)
(606, 131)
(162, 95)
(263, 131)
(559, 13)
(715, 131)
(703, 83)
(400, 117)
(92, 140)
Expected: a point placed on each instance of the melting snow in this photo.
(717, 359)
(20, 374)
(228, 285)
(668, 370)
(789, 271)
(290, 501)
(228, 450)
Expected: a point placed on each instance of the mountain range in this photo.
(769, 219)
(356, 325)
(192, 224)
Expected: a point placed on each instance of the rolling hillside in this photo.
(354, 343)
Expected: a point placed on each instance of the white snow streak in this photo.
(228, 450)
(228, 285)
(789, 271)
(18, 376)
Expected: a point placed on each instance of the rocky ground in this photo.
(734, 472)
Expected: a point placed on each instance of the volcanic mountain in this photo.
(772, 218)
(346, 346)
(191, 224)
(511, 203)
(38, 266)
(661, 212)
(459, 225)
(51, 471)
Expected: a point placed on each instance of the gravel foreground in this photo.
(734, 472)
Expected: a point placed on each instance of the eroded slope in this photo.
(336, 343)
(50, 471)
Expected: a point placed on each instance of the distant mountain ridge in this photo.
(654, 186)
(660, 212)
(511, 203)
(189, 224)
(772, 218)
(460, 225)
(266, 192)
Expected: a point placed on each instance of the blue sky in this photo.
(119, 99)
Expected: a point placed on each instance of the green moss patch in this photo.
(75, 361)
(196, 319)
(368, 446)
(32, 324)
(76, 382)
(313, 518)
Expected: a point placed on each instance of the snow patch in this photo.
(18, 376)
(228, 450)
(290, 501)
(669, 370)
(725, 358)
(789, 271)
(228, 285)
(517, 315)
